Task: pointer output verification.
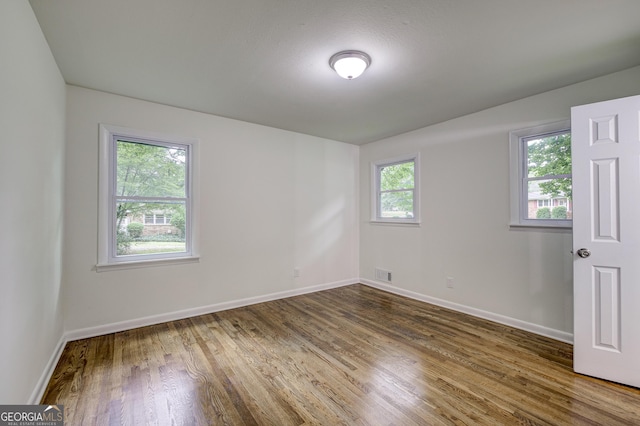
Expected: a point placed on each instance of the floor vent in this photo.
(383, 275)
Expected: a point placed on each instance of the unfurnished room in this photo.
(278, 212)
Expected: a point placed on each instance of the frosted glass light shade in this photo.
(350, 64)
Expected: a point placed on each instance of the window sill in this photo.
(540, 227)
(104, 267)
(393, 223)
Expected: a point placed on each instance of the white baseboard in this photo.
(84, 333)
(41, 386)
(562, 336)
(192, 312)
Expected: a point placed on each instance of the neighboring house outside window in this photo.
(157, 224)
(536, 204)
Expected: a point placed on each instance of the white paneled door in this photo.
(606, 239)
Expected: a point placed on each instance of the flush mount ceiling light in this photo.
(350, 64)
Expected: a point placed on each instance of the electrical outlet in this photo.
(449, 282)
(296, 272)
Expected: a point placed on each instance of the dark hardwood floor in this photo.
(352, 355)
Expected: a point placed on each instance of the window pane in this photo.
(137, 233)
(549, 156)
(547, 201)
(150, 170)
(396, 190)
(397, 176)
(396, 204)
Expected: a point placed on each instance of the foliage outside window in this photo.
(541, 176)
(150, 184)
(146, 197)
(395, 194)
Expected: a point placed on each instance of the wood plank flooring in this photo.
(348, 356)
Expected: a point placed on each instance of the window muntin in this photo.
(395, 190)
(146, 208)
(541, 176)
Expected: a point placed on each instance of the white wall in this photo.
(270, 200)
(521, 274)
(32, 121)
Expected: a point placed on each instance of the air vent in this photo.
(383, 275)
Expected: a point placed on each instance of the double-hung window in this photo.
(145, 180)
(395, 192)
(541, 176)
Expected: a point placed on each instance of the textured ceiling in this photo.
(266, 61)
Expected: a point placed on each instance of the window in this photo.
(157, 219)
(395, 190)
(541, 176)
(145, 180)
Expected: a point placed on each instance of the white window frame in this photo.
(376, 166)
(518, 179)
(107, 259)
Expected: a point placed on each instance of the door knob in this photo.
(584, 253)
